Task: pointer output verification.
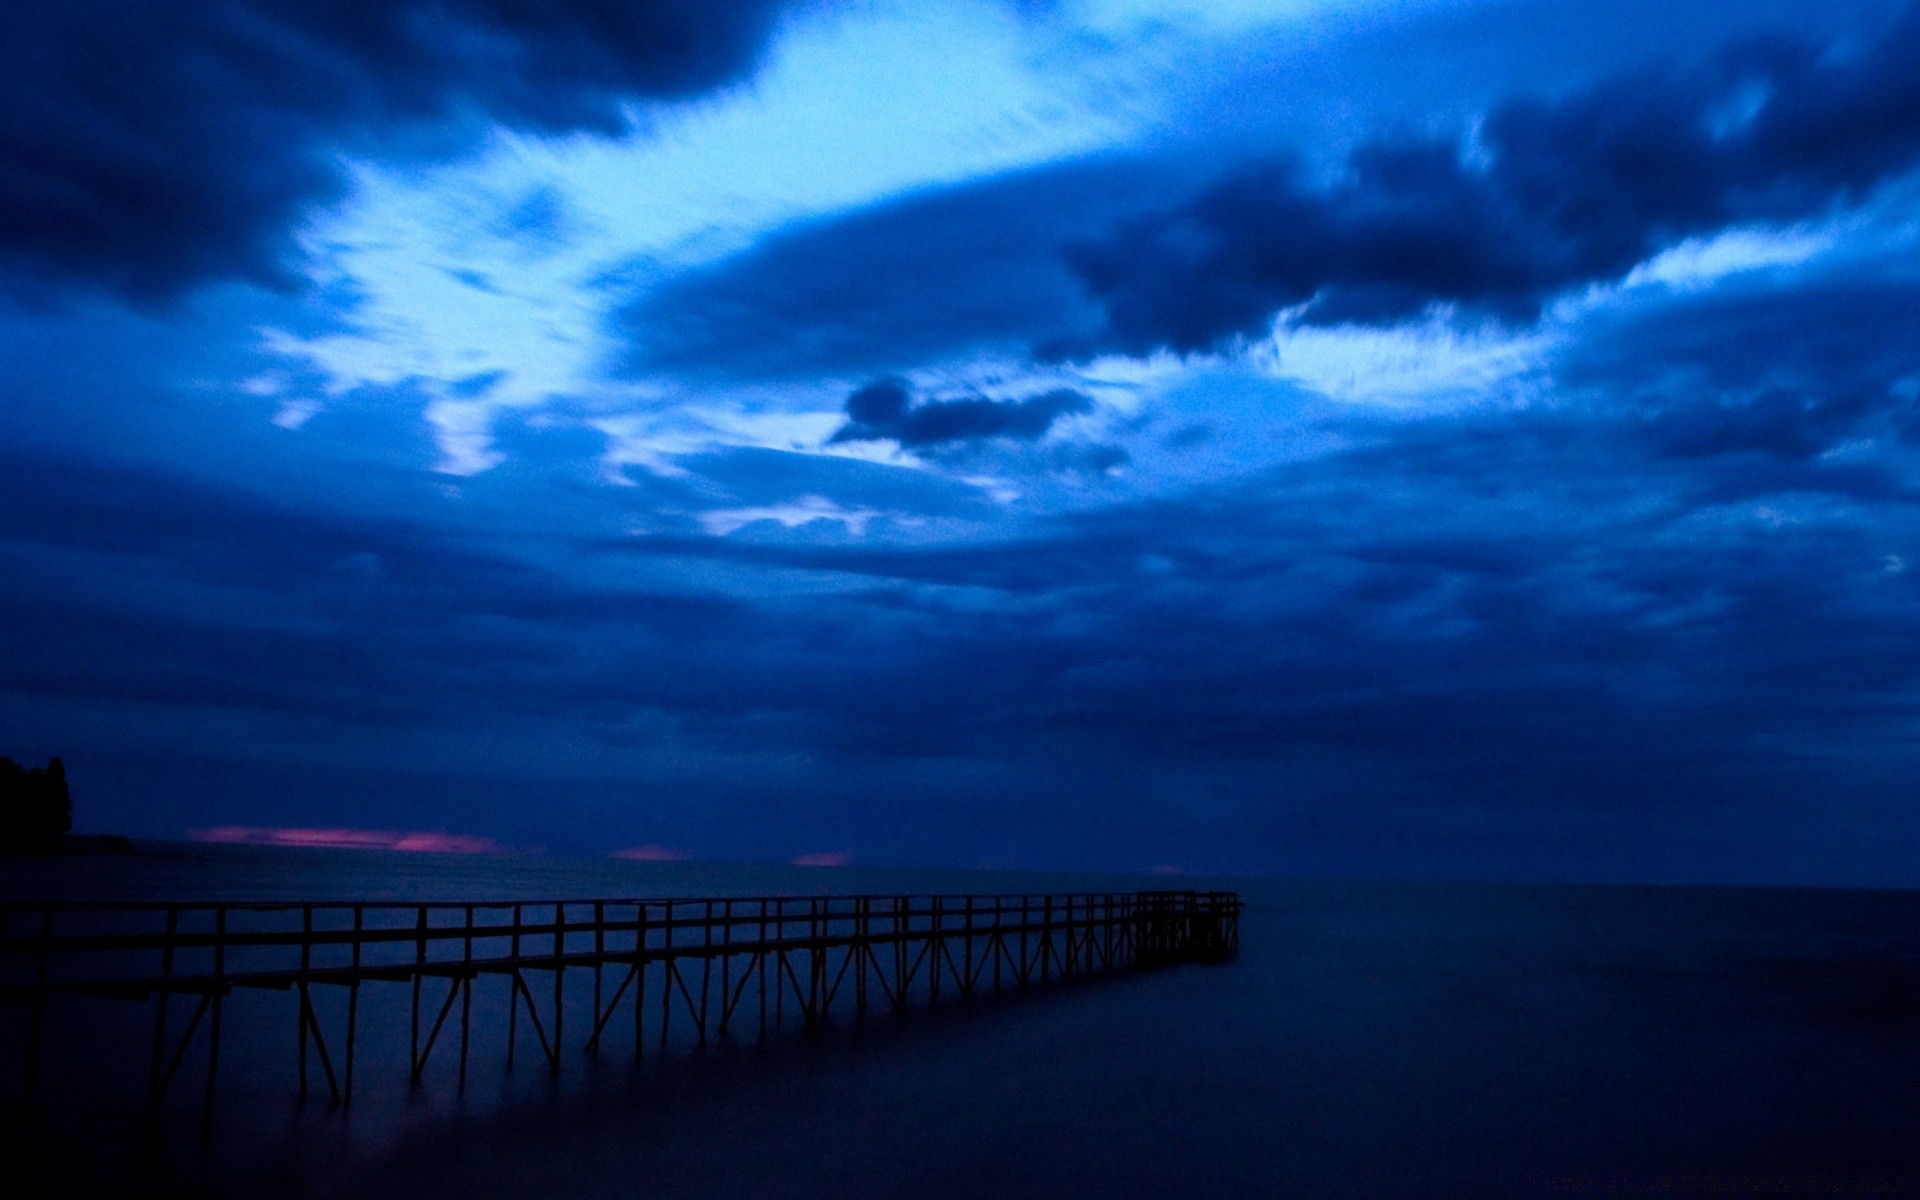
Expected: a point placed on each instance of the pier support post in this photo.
(1064, 937)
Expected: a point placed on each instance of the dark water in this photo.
(1372, 1040)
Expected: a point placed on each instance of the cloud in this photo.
(824, 858)
(434, 842)
(804, 511)
(1761, 369)
(973, 268)
(1484, 612)
(883, 411)
(145, 148)
(136, 587)
(1162, 249)
(1671, 565)
(1544, 195)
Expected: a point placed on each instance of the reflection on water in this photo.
(1371, 1040)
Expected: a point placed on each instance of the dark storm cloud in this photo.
(973, 268)
(1772, 371)
(146, 147)
(884, 411)
(1547, 195)
(133, 584)
(1135, 255)
(1847, 327)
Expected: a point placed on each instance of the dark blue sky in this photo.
(1443, 437)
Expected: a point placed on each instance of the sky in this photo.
(1420, 438)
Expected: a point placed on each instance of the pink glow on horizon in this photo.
(651, 853)
(414, 841)
(824, 858)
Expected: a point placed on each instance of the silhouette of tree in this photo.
(35, 807)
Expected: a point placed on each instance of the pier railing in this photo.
(719, 963)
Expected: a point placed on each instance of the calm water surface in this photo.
(1372, 1040)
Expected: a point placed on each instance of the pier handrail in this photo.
(884, 949)
(42, 938)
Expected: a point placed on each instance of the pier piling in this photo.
(893, 949)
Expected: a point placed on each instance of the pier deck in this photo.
(718, 961)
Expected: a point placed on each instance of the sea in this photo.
(1370, 1039)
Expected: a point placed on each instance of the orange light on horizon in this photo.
(650, 853)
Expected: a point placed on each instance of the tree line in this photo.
(36, 810)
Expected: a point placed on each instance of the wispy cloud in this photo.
(804, 511)
(417, 841)
(823, 858)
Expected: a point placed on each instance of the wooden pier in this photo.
(720, 964)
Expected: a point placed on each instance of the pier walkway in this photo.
(720, 964)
